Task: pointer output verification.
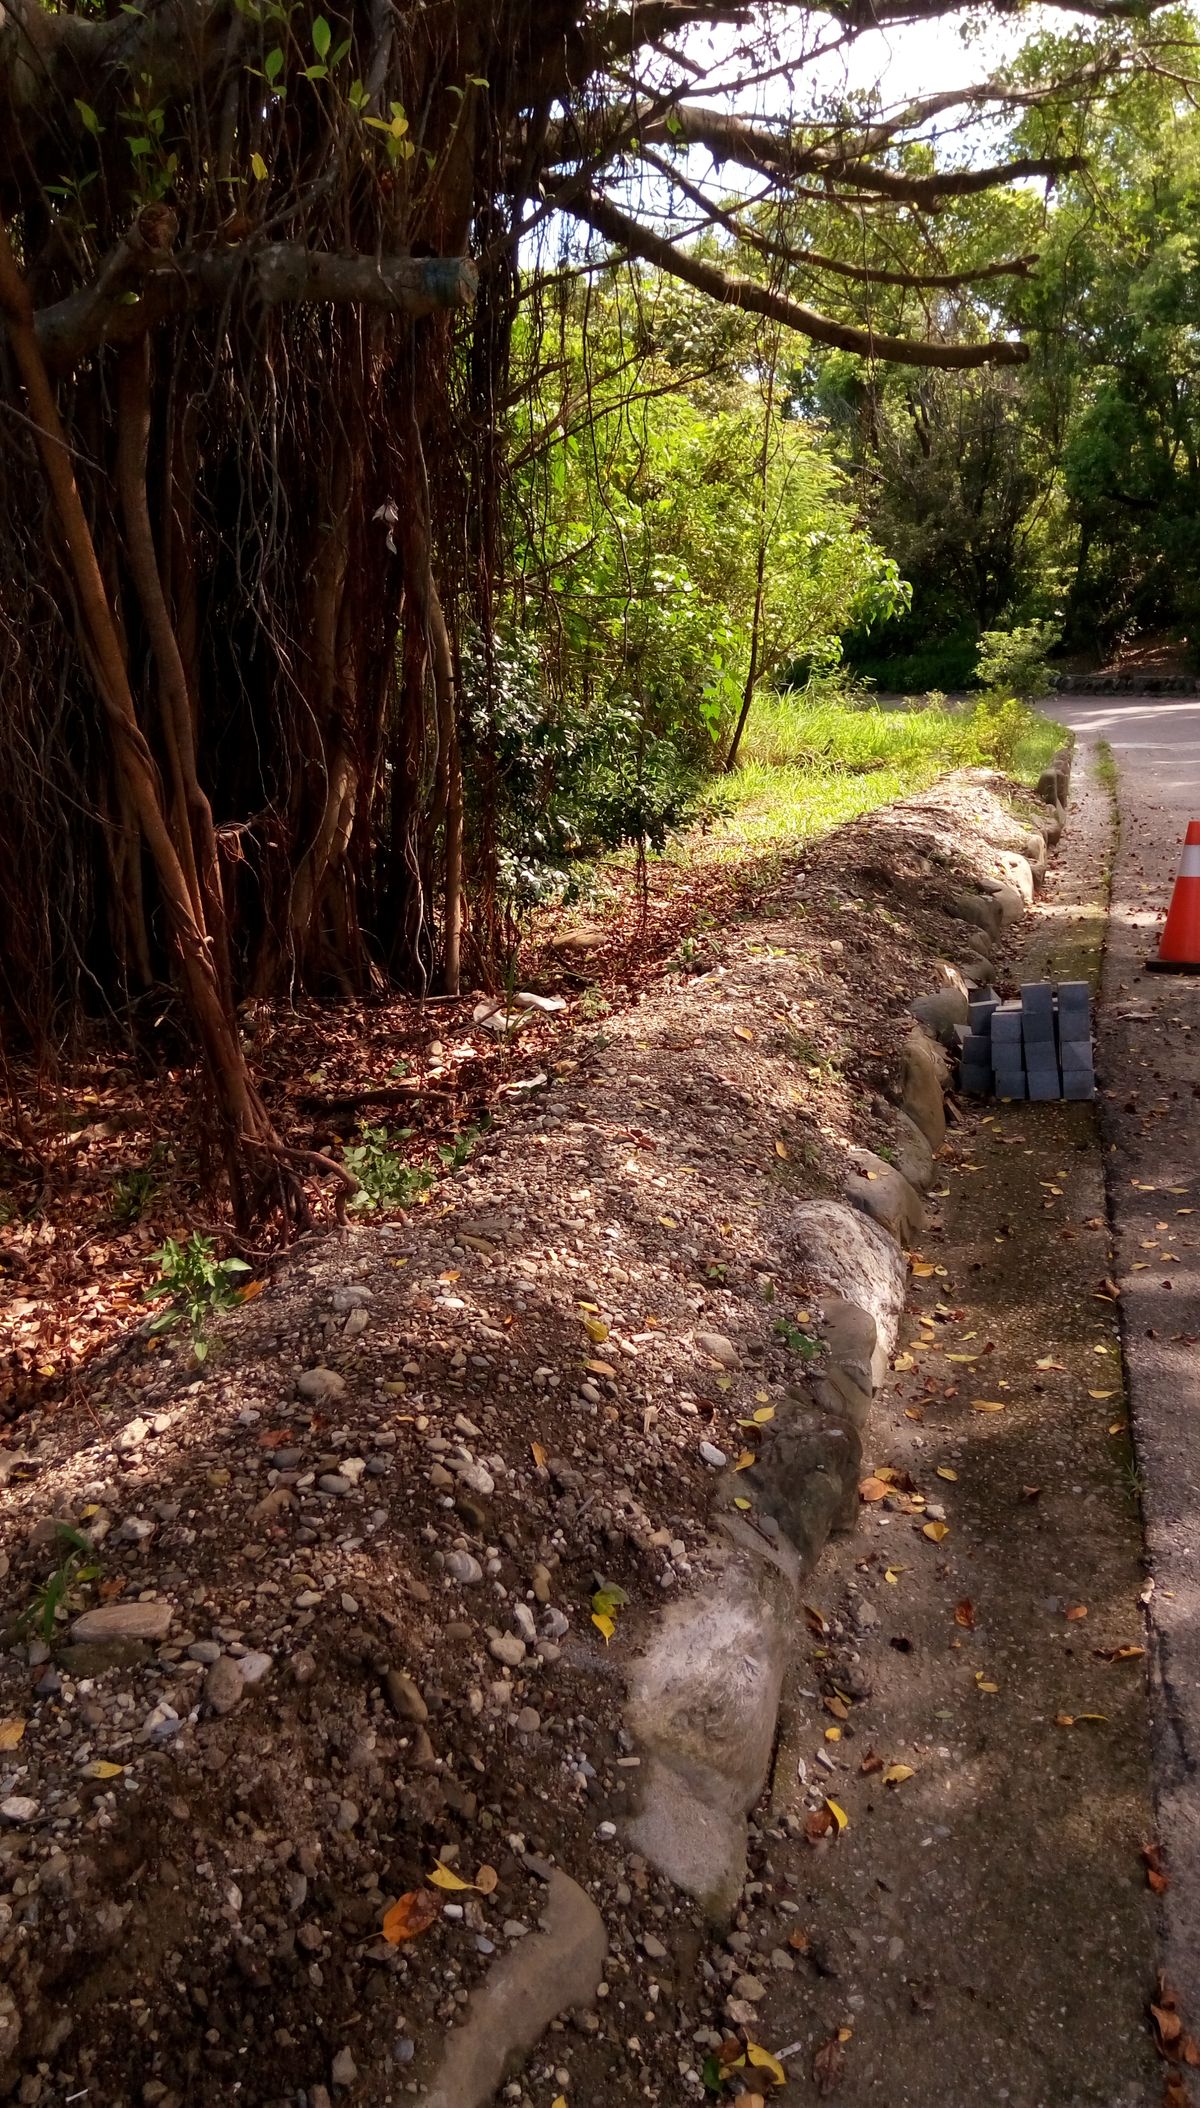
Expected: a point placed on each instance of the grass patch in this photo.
(807, 767)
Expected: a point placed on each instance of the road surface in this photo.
(1148, 1060)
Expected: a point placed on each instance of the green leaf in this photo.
(91, 123)
(322, 37)
(273, 64)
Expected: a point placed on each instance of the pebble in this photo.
(343, 2070)
(714, 1456)
(352, 1297)
(206, 1651)
(507, 1648)
(523, 1620)
(124, 1621)
(463, 1568)
(223, 1686)
(719, 1349)
(321, 1386)
(541, 1583)
(404, 1698)
(750, 1987)
(475, 1478)
(18, 1809)
(132, 1435)
(529, 1720)
(254, 1667)
(556, 1625)
(653, 1949)
(333, 1482)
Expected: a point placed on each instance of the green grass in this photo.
(807, 767)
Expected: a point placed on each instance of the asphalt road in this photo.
(1148, 1062)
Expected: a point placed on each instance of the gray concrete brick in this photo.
(977, 1048)
(1006, 1024)
(1044, 1086)
(1011, 1085)
(975, 1078)
(1078, 1085)
(1037, 1005)
(1075, 1002)
(981, 1008)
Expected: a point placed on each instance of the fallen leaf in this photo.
(1102, 1394)
(817, 1824)
(1117, 1427)
(838, 1707)
(444, 1877)
(1048, 1362)
(893, 1574)
(1031, 1492)
(1076, 1613)
(1168, 2026)
(922, 1269)
(798, 1941)
(1118, 1654)
(487, 1880)
(537, 1453)
(742, 1032)
(982, 1684)
(745, 1460)
(600, 1368)
(100, 1769)
(605, 1624)
(873, 1488)
(763, 1414)
(815, 1621)
(1064, 1720)
(781, 1149)
(871, 1764)
(762, 2060)
(839, 1815)
(944, 1472)
(962, 1357)
(935, 1531)
(964, 1614)
(828, 2065)
(410, 1915)
(11, 1732)
(1159, 1883)
(895, 1774)
(560, 2101)
(743, 1504)
(833, 1734)
(596, 1330)
(987, 1405)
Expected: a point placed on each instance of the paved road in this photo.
(1148, 1057)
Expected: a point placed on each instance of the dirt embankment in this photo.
(365, 1542)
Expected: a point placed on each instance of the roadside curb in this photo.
(704, 1697)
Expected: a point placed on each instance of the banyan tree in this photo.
(260, 262)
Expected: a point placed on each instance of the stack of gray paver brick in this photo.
(1039, 1047)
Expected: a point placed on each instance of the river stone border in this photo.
(703, 1697)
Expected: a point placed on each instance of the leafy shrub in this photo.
(1001, 726)
(198, 1283)
(1013, 662)
(384, 1179)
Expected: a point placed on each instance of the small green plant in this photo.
(198, 1283)
(1002, 725)
(76, 1566)
(795, 1341)
(593, 1003)
(456, 1153)
(132, 1193)
(384, 1179)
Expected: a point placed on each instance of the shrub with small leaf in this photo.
(199, 1286)
(77, 1564)
(384, 1179)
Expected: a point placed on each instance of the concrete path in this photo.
(1148, 1057)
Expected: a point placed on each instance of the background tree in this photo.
(260, 278)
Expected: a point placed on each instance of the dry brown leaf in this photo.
(871, 1763)
(964, 1614)
(873, 1488)
(410, 1916)
(987, 1405)
(828, 2066)
(1076, 1613)
(11, 1732)
(487, 1880)
(537, 1453)
(895, 1774)
(798, 1941)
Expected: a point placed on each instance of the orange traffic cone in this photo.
(1179, 950)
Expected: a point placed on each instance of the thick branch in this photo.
(276, 274)
(756, 299)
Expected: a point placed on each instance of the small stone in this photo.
(719, 1349)
(352, 1297)
(440, 1477)
(714, 1456)
(254, 1668)
(223, 1686)
(124, 1621)
(404, 1698)
(556, 1624)
(528, 1720)
(132, 1436)
(542, 1579)
(404, 2049)
(463, 1568)
(347, 1816)
(653, 1949)
(750, 1987)
(18, 1809)
(344, 2070)
(321, 1386)
(507, 1648)
(333, 1482)
(424, 1755)
(523, 1620)
(476, 1479)
(206, 1651)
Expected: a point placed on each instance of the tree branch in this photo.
(756, 299)
(278, 274)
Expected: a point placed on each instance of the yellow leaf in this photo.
(560, 2101)
(742, 1504)
(839, 1815)
(873, 1488)
(603, 1623)
(935, 1531)
(781, 1149)
(668, 1222)
(762, 2059)
(1117, 1427)
(944, 1472)
(895, 1774)
(1102, 1394)
(100, 1769)
(259, 167)
(913, 1412)
(922, 1269)
(893, 1575)
(596, 1329)
(487, 1880)
(442, 1877)
(11, 1732)
(745, 1460)
(833, 1734)
(982, 1683)
(763, 1414)
(904, 1362)
(742, 1032)
(1091, 1716)
(537, 1453)
(987, 1405)
(600, 1368)
(1064, 1720)
(962, 1357)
